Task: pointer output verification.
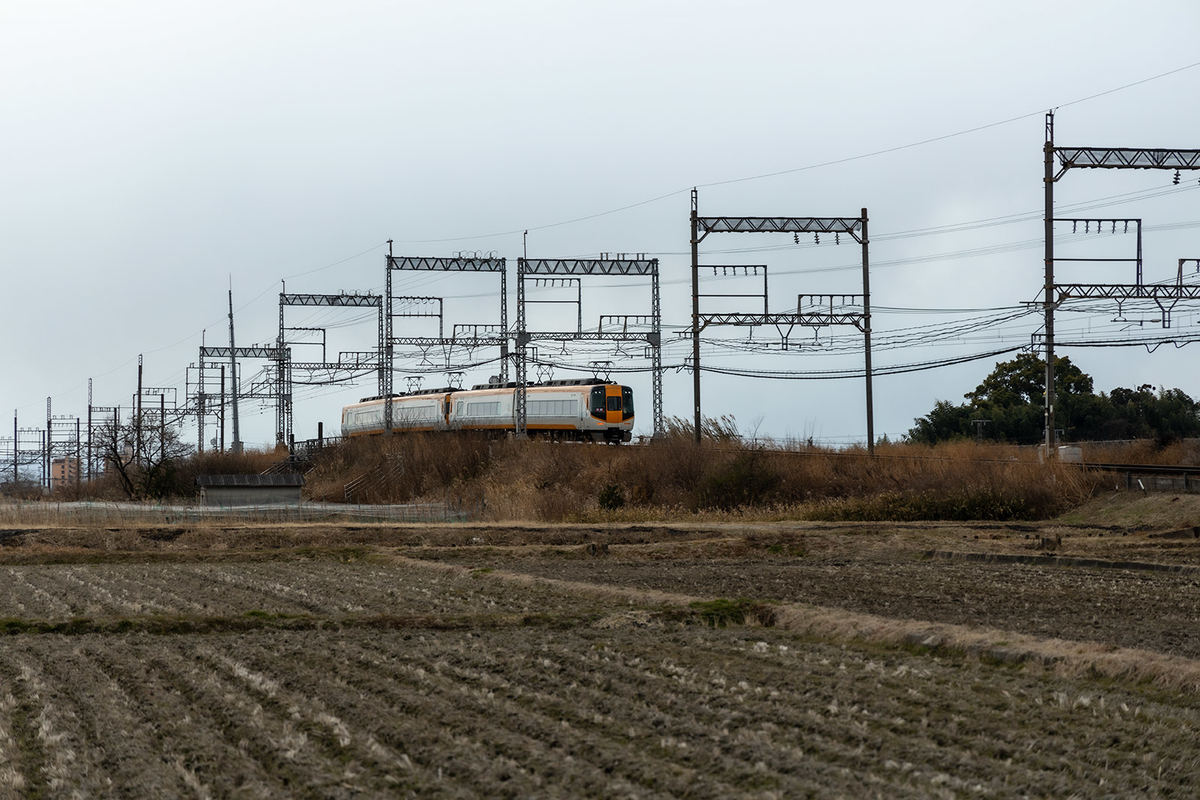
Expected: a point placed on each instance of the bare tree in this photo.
(143, 453)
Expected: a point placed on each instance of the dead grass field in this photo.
(715, 659)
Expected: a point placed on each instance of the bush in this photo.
(611, 497)
(747, 482)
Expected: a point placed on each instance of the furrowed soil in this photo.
(731, 660)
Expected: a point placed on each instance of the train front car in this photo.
(610, 408)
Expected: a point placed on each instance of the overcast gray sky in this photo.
(154, 153)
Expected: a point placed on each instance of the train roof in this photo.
(508, 385)
(443, 390)
(565, 382)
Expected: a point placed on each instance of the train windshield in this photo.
(627, 401)
(597, 406)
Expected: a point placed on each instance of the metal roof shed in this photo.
(250, 490)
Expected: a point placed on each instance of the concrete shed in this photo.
(250, 490)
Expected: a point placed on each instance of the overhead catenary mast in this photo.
(237, 438)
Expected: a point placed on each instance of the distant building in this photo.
(64, 472)
(250, 490)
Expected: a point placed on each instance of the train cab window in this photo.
(614, 404)
(597, 405)
(627, 402)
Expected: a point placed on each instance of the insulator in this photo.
(796, 238)
(837, 238)
(817, 238)
(1176, 179)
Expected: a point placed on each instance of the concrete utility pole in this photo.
(48, 446)
(696, 312)
(866, 323)
(222, 408)
(137, 440)
(1048, 302)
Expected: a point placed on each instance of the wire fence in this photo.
(100, 513)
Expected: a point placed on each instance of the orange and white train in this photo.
(582, 410)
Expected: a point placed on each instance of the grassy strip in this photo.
(833, 625)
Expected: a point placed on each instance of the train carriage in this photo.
(583, 410)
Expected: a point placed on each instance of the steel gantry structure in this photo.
(479, 335)
(855, 227)
(28, 447)
(539, 269)
(352, 362)
(1058, 160)
(271, 390)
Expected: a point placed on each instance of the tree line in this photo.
(1009, 407)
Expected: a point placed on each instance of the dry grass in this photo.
(675, 479)
(1065, 657)
(1182, 452)
(400, 468)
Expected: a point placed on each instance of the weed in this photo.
(723, 612)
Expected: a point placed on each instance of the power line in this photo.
(793, 170)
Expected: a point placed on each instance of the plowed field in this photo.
(568, 671)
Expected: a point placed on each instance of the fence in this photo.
(94, 513)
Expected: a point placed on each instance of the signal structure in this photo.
(550, 271)
(843, 309)
(1055, 294)
(472, 335)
